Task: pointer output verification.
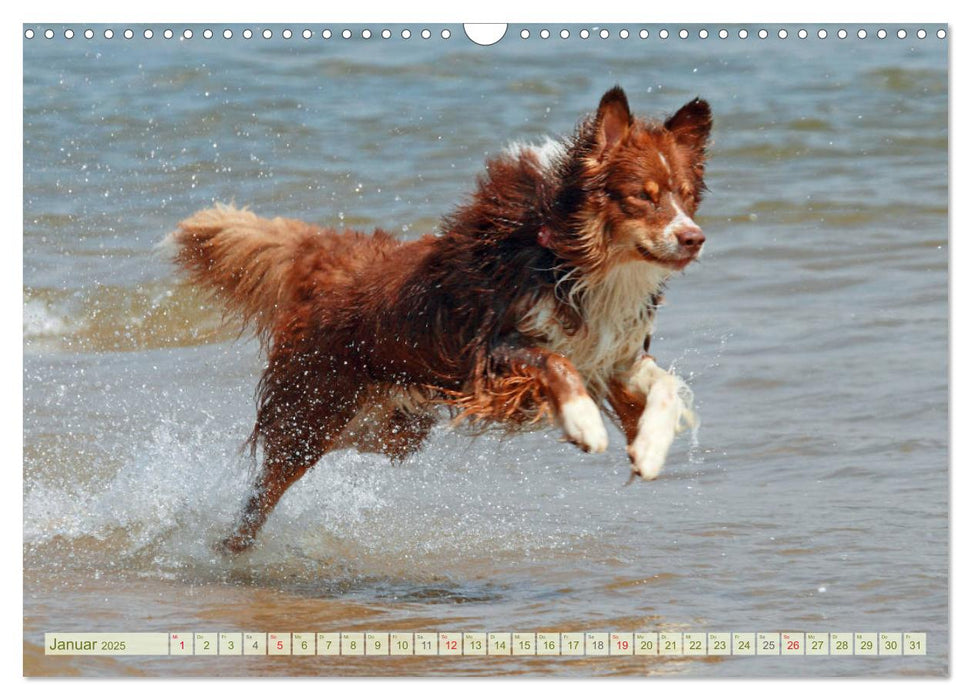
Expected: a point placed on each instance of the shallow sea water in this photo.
(814, 333)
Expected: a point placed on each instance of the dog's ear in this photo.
(691, 125)
(613, 120)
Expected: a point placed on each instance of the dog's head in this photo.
(636, 185)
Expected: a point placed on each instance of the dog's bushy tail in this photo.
(247, 261)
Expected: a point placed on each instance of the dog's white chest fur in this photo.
(618, 317)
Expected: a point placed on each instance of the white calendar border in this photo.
(505, 10)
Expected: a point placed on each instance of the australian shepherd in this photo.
(534, 303)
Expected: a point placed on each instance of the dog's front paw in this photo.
(646, 460)
(583, 424)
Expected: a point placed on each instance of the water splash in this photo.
(164, 506)
(712, 359)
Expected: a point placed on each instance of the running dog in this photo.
(534, 303)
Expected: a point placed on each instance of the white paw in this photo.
(583, 424)
(646, 460)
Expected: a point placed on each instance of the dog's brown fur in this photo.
(366, 334)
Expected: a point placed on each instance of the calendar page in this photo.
(484, 350)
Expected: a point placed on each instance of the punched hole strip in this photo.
(541, 32)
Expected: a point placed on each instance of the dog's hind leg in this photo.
(275, 478)
(387, 430)
(404, 433)
(653, 406)
(289, 451)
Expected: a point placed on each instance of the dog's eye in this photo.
(647, 197)
(650, 192)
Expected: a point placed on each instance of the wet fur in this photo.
(536, 301)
